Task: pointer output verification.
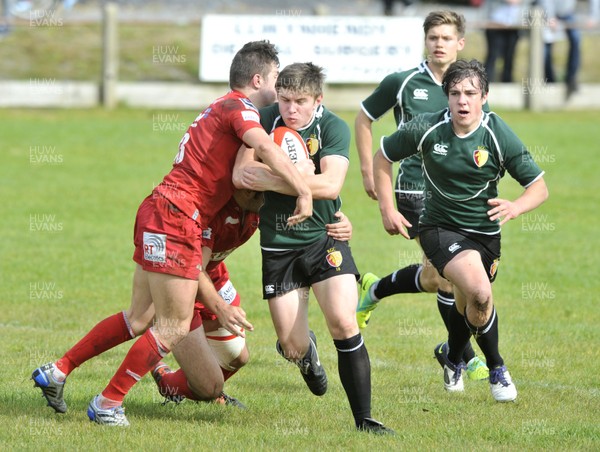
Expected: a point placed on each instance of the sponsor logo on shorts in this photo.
(207, 233)
(454, 248)
(270, 288)
(494, 267)
(334, 258)
(155, 247)
(480, 156)
(421, 94)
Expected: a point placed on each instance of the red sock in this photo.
(109, 333)
(174, 384)
(143, 355)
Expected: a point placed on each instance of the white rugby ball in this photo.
(291, 142)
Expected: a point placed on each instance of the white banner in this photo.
(351, 49)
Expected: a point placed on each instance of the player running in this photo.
(409, 93)
(465, 152)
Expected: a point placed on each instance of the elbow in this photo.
(330, 193)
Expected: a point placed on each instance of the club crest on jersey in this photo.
(480, 156)
(334, 258)
(312, 144)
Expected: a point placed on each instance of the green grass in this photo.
(66, 264)
(47, 52)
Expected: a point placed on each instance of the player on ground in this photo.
(230, 229)
(167, 238)
(409, 93)
(465, 151)
(301, 257)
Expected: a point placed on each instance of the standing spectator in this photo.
(502, 34)
(563, 12)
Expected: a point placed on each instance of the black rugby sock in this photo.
(487, 339)
(458, 335)
(405, 280)
(354, 368)
(445, 302)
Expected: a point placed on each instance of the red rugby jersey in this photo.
(200, 182)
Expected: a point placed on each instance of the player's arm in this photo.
(250, 174)
(273, 156)
(393, 221)
(533, 196)
(230, 317)
(363, 136)
(326, 185)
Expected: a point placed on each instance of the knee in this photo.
(138, 323)
(480, 298)
(430, 280)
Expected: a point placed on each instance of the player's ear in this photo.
(257, 80)
(319, 99)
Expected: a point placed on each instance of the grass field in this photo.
(71, 184)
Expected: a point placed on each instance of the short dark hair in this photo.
(437, 18)
(255, 57)
(302, 78)
(463, 69)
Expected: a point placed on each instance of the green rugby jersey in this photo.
(409, 93)
(325, 135)
(462, 173)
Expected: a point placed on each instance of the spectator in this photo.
(562, 14)
(502, 34)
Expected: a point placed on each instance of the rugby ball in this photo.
(291, 142)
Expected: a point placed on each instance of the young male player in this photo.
(301, 257)
(167, 235)
(465, 152)
(409, 93)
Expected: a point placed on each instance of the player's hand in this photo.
(233, 318)
(303, 210)
(394, 223)
(503, 210)
(369, 184)
(342, 230)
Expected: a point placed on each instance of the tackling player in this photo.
(230, 229)
(167, 238)
(465, 152)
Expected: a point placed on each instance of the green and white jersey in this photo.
(409, 93)
(326, 135)
(462, 173)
